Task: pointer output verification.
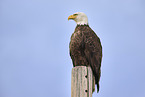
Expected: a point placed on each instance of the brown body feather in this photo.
(86, 50)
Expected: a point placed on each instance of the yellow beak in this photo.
(71, 17)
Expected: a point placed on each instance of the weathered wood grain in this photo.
(82, 82)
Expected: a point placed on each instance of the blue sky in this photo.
(34, 46)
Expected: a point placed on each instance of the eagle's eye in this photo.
(75, 14)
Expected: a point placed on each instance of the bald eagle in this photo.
(85, 46)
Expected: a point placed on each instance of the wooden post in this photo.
(82, 82)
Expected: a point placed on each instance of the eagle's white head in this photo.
(79, 17)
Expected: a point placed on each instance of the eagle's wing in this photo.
(93, 53)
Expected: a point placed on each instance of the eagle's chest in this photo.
(76, 40)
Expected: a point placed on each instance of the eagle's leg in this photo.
(80, 61)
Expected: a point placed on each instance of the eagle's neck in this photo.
(84, 22)
(81, 28)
